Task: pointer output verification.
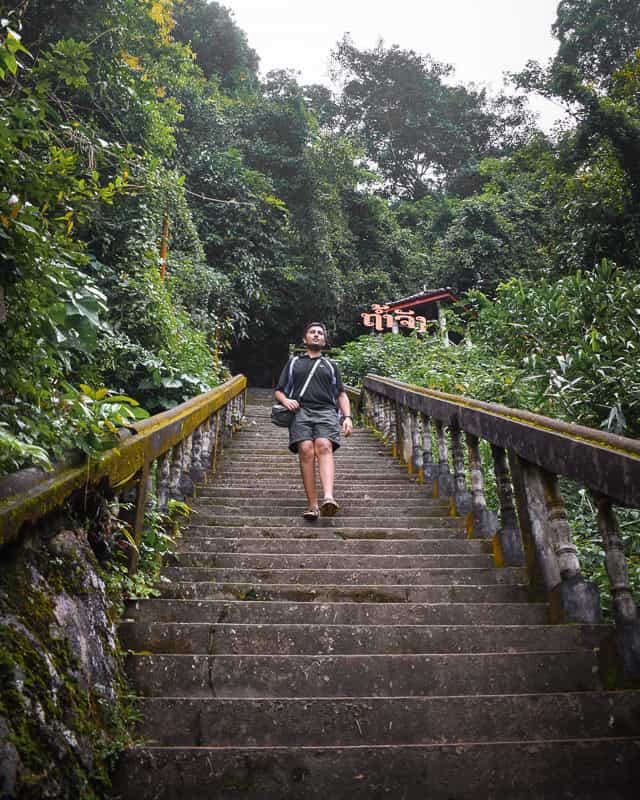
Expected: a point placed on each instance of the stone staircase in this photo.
(377, 654)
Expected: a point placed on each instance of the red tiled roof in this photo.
(426, 296)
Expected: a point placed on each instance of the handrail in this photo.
(602, 461)
(529, 452)
(129, 463)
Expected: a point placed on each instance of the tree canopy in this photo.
(168, 214)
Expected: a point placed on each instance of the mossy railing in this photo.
(438, 435)
(167, 454)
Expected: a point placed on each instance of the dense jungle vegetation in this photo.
(134, 128)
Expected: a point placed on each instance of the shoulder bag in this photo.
(280, 415)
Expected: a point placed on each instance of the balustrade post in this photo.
(197, 453)
(187, 486)
(461, 500)
(236, 413)
(216, 442)
(140, 507)
(443, 480)
(393, 428)
(416, 455)
(627, 632)
(366, 408)
(371, 409)
(207, 442)
(163, 468)
(542, 564)
(243, 403)
(175, 472)
(482, 521)
(508, 549)
(427, 449)
(574, 599)
(405, 437)
(386, 412)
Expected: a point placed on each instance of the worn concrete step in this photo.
(292, 478)
(332, 613)
(210, 590)
(362, 463)
(278, 639)
(410, 491)
(331, 561)
(350, 722)
(386, 517)
(461, 576)
(354, 506)
(589, 769)
(362, 675)
(363, 455)
(246, 521)
(360, 547)
(380, 474)
(451, 528)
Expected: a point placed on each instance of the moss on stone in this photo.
(58, 729)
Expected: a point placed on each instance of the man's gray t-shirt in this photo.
(323, 388)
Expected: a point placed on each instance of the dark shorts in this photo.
(309, 424)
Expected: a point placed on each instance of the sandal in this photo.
(312, 513)
(329, 507)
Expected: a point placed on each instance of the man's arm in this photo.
(345, 407)
(279, 394)
(282, 398)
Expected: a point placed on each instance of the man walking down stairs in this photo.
(378, 654)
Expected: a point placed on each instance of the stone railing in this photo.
(438, 437)
(157, 459)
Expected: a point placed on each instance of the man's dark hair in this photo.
(319, 324)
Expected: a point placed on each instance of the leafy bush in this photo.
(469, 369)
(578, 338)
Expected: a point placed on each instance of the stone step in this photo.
(460, 576)
(332, 613)
(291, 469)
(300, 593)
(319, 530)
(292, 478)
(371, 511)
(342, 561)
(362, 457)
(246, 521)
(277, 639)
(349, 722)
(408, 492)
(351, 547)
(357, 455)
(589, 769)
(362, 675)
(377, 507)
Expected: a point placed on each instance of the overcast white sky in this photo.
(480, 38)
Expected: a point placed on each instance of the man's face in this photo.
(314, 338)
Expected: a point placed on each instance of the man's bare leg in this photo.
(324, 453)
(306, 456)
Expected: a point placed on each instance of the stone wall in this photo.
(60, 677)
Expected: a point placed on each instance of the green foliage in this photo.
(95, 415)
(14, 452)
(220, 46)
(157, 545)
(469, 369)
(596, 37)
(417, 127)
(586, 536)
(577, 338)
